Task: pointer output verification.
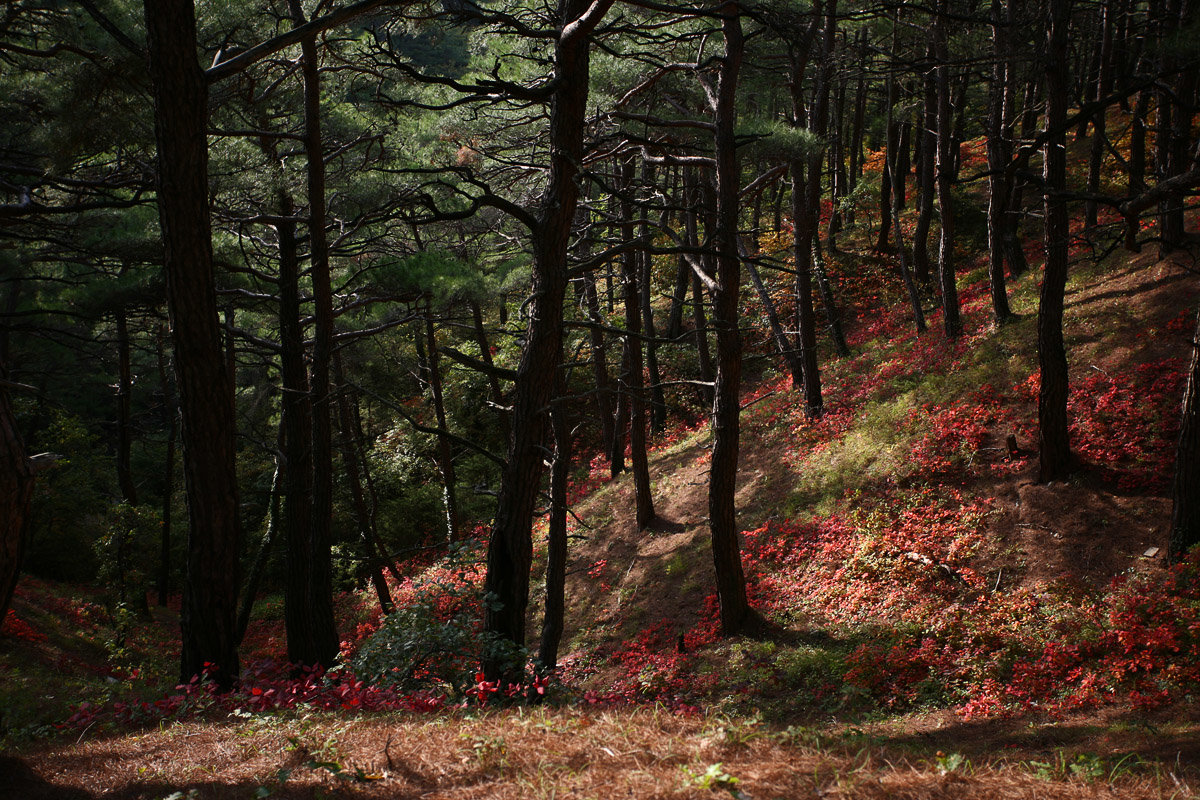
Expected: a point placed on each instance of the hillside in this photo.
(937, 621)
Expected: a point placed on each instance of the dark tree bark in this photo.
(914, 296)
(925, 174)
(731, 581)
(658, 400)
(172, 413)
(599, 349)
(946, 171)
(806, 207)
(836, 165)
(1137, 165)
(886, 195)
(700, 317)
(1185, 493)
(632, 379)
(858, 126)
(1055, 459)
(556, 546)
(445, 455)
(904, 164)
(510, 546)
(1175, 130)
(1103, 85)
(319, 644)
(296, 421)
(205, 392)
(998, 154)
(621, 412)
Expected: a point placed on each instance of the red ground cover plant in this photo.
(16, 628)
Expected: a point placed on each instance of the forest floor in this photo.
(940, 625)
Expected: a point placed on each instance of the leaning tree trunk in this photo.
(510, 546)
(205, 392)
(731, 580)
(1055, 455)
(1185, 513)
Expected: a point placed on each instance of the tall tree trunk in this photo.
(205, 392)
(926, 189)
(731, 581)
(296, 419)
(946, 169)
(998, 157)
(837, 166)
(1175, 130)
(172, 413)
(914, 296)
(320, 642)
(1103, 85)
(858, 125)
(510, 546)
(700, 318)
(556, 546)
(599, 349)
(1055, 459)
(886, 194)
(1137, 165)
(1014, 253)
(806, 209)
(445, 456)
(904, 164)
(645, 276)
(632, 379)
(1185, 493)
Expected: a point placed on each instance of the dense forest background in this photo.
(355, 317)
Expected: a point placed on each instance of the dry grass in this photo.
(520, 754)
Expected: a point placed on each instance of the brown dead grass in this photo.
(521, 754)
